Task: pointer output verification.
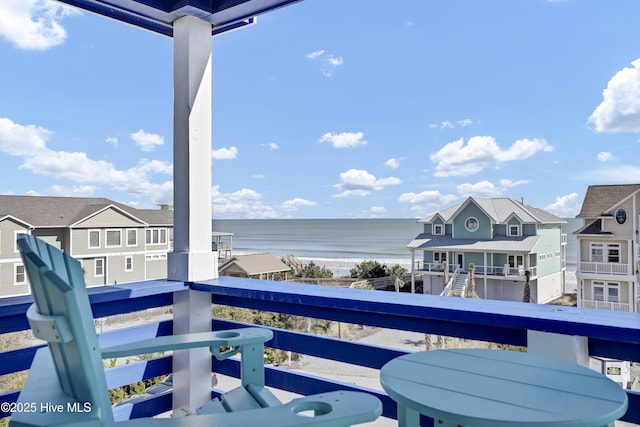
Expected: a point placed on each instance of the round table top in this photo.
(482, 387)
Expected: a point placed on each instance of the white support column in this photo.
(191, 368)
(413, 278)
(192, 258)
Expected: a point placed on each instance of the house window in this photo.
(156, 236)
(128, 263)
(597, 252)
(515, 261)
(613, 253)
(471, 224)
(606, 292)
(605, 253)
(114, 238)
(99, 267)
(94, 238)
(132, 237)
(438, 229)
(439, 257)
(514, 230)
(20, 277)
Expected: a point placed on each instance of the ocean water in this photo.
(340, 244)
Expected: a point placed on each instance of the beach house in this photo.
(114, 242)
(609, 248)
(496, 245)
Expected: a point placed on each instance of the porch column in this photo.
(192, 258)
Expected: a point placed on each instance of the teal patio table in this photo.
(481, 387)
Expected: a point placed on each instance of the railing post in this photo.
(191, 368)
(572, 348)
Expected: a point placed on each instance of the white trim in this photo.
(128, 260)
(15, 274)
(97, 261)
(606, 287)
(126, 235)
(106, 237)
(434, 229)
(89, 238)
(518, 228)
(467, 227)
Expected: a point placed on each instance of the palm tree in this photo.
(471, 291)
(527, 287)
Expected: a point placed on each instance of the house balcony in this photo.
(605, 305)
(608, 334)
(603, 268)
(513, 273)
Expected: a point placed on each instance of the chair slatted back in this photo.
(59, 291)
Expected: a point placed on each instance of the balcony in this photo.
(605, 305)
(489, 271)
(604, 268)
(610, 334)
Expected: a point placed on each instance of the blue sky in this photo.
(333, 108)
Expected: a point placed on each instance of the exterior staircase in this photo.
(458, 285)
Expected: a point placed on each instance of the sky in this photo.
(333, 108)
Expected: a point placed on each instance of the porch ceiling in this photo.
(158, 15)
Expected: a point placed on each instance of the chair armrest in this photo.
(234, 338)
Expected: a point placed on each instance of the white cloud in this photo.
(258, 176)
(147, 141)
(329, 62)
(225, 153)
(112, 140)
(29, 143)
(315, 54)
(294, 204)
(74, 191)
(605, 156)
(360, 183)
(488, 189)
(344, 139)
(33, 24)
(244, 203)
(458, 159)
(392, 163)
(448, 124)
(565, 206)
(429, 198)
(272, 146)
(620, 107)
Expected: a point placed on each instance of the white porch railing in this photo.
(604, 305)
(604, 267)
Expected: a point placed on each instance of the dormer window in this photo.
(514, 230)
(438, 229)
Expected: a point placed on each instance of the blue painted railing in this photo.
(610, 334)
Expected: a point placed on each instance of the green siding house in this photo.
(490, 245)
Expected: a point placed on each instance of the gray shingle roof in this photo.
(600, 198)
(42, 211)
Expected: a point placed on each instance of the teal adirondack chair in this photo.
(67, 386)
